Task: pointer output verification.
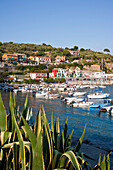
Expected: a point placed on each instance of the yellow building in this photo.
(33, 58)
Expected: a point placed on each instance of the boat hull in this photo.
(98, 96)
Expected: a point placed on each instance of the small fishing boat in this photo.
(16, 90)
(99, 105)
(51, 96)
(108, 101)
(69, 100)
(101, 86)
(107, 109)
(41, 94)
(82, 104)
(98, 95)
(79, 93)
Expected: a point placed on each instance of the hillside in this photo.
(86, 56)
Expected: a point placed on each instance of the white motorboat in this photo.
(92, 86)
(101, 86)
(41, 94)
(69, 100)
(98, 96)
(15, 91)
(51, 96)
(79, 93)
(70, 94)
(82, 104)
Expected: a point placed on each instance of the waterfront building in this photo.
(95, 67)
(58, 72)
(94, 74)
(38, 76)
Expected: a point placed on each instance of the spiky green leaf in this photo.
(37, 126)
(77, 148)
(52, 129)
(11, 106)
(21, 142)
(107, 162)
(38, 161)
(103, 163)
(56, 157)
(73, 159)
(63, 136)
(30, 133)
(3, 116)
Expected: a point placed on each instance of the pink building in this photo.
(74, 52)
(38, 76)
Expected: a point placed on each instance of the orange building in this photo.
(59, 58)
(14, 58)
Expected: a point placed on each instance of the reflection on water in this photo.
(99, 126)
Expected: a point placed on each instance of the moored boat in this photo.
(82, 104)
(99, 105)
(98, 95)
(41, 94)
(79, 93)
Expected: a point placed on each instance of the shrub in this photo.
(39, 146)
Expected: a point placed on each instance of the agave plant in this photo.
(38, 146)
(11, 136)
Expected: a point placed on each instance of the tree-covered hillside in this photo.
(48, 50)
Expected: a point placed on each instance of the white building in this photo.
(41, 59)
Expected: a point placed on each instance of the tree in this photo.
(42, 66)
(60, 50)
(75, 48)
(66, 48)
(40, 53)
(82, 49)
(106, 50)
(66, 53)
(44, 44)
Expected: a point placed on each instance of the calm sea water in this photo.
(99, 127)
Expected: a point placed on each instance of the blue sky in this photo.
(60, 23)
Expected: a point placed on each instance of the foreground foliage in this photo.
(29, 144)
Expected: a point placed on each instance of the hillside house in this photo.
(33, 58)
(41, 59)
(76, 53)
(109, 66)
(95, 67)
(14, 58)
(60, 58)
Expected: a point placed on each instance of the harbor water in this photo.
(99, 126)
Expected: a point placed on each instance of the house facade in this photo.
(14, 58)
(76, 53)
(38, 76)
(58, 72)
(95, 67)
(41, 59)
(60, 58)
(33, 58)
